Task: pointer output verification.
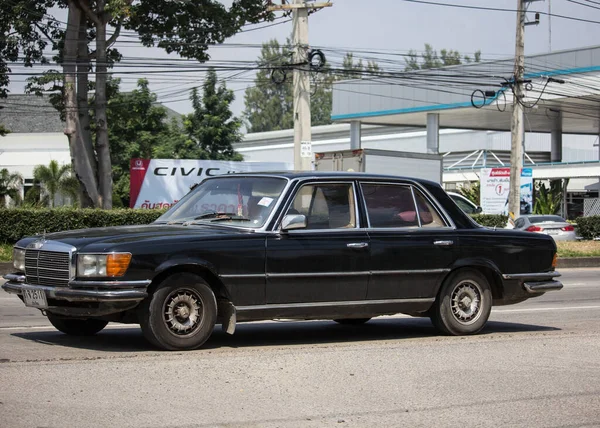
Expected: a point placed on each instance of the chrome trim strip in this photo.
(542, 287)
(110, 284)
(318, 274)
(332, 304)
(327, 274)
(71, 295)
(244, 275)
(16, 277)
(76, 284)
(409, 272)
(537, 275)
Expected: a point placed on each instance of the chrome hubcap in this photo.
(183, 312)
(466, 302)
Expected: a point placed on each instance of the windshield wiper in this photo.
(216, 216)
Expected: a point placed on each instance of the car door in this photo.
(328, 261)
(412, 244)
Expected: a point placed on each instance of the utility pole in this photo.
(516, 126)
(303, 155)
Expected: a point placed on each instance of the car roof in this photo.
(331, 174)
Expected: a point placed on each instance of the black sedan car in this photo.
(245, 247)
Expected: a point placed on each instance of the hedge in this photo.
(491, 220)
(588, 227)
(16, 223)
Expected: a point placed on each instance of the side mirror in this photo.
(478, 210)
(293, 221)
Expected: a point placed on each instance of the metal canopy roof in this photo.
(405, 98)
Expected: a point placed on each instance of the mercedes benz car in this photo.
(345, 247)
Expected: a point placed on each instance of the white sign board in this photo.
(160, 183)
(495, 186)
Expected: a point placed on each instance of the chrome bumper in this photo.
(83, 291)
(537, 283)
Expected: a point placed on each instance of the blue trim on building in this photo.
(463, 104)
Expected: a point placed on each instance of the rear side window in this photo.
(392, 205)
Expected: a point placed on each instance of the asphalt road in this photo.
(537, 364)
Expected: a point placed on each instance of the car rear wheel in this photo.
(180, 314)
(352, 321)
(75, 326)
(463, 305)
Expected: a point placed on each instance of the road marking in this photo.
(568, 308)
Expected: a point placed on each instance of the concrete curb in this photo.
(578, 262)
(566, 263)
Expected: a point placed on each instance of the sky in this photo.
(394, 26)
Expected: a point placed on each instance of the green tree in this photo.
(430, 59)
(548, 200)
(54, 178)
(472, 192)
(212, 126)
(269, 105)
(183, 27)
(10, 185)
(136, 126)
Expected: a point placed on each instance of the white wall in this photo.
(23, 152)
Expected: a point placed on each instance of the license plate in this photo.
(553, 231)
(35, 298)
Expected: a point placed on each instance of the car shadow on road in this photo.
(279, 333)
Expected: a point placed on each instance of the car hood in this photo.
(103, 238)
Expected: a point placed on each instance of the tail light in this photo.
(568, 228)
(534, 229)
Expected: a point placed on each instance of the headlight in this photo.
(111, 265)
(19, 259)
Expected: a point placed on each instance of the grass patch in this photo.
(578, 249)
(6, 252)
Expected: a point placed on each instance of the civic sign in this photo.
(495, 186)
(161, 183)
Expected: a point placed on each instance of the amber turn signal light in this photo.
(117, 264)
(554, 260)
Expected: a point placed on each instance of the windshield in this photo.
(241, 201)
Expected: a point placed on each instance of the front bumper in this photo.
(536, 283)
(83, 291)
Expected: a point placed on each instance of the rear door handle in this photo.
(357, 245)
(443, 243)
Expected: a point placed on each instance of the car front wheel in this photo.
(77, 327)
(180, 314)
(463, 305)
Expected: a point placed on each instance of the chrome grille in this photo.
(50, 268)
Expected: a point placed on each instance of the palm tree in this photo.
(55, 178)
(10, 185)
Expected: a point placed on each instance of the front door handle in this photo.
(443, 243)
(357, 245)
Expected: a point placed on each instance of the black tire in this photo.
(180, 314)
(352, 321)
(77, 327)
(463, 304)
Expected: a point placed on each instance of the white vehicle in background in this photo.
(464, 204)
(553, 225)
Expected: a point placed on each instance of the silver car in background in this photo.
(552, 225)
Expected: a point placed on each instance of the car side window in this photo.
(326, 206)
(427, 213)
(390, 205)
